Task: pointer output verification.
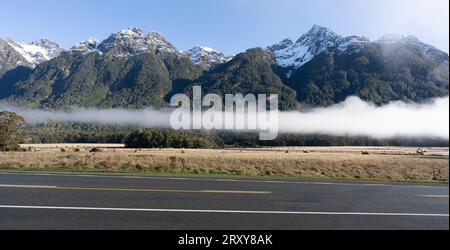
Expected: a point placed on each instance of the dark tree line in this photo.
(232, 139)
(156, 138)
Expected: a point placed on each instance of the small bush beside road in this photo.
(10, 131)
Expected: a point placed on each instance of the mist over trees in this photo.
(160, 138)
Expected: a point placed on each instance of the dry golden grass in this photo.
(67, 145)
(381, 163)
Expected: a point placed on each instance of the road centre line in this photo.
(435, 196)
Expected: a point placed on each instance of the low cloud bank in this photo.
(144, 118)
(356, 117)
(351, 117)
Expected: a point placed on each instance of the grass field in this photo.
(363, 163)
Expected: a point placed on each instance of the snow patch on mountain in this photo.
(36, 52)
(87, 46)
(133, 41)
(352, 42)
(294, 55)
(160, 44)
(206, 57)
(429, 50)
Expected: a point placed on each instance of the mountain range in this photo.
(133, 69)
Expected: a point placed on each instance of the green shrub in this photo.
(10, 131)
(156, 138)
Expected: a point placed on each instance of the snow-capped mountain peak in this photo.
(132, 41)
(206, 57)
(390, 38)
(36, 52)
(131, 31)
(86, 46)
(159, 43)
(400, 39)
(44, 42)
(313, 42)
(352, 42)
(318, 33)
(202, 49)
(429, 50)
(296, 54)
(282, 45)
(123, 43)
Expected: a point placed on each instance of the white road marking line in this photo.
(104, 189)
(220, 180)
(219, 211)
(26, 186)
(435, 196)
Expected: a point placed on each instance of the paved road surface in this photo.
(85, 201)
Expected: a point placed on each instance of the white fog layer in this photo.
(351, 117)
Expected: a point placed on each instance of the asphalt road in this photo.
(85, 201)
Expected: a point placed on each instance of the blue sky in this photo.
(227, 25)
